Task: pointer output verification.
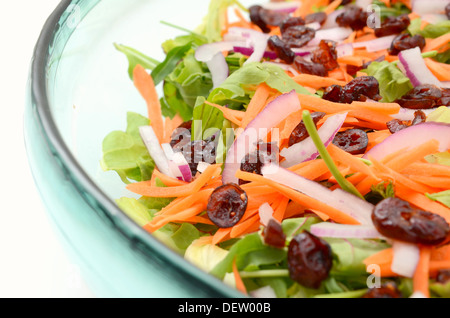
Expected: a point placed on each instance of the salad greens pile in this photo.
(186, 87)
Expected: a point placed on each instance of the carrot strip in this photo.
(427, 169)
(353, 162)
(250, 225)
(289, 124)
(221, 235)
(146, 87)
(387, 173)
(280, 211)
(180, 217)
(384, 108)
(256, 104)
(144, 188)
(168, 181)
(235, 116)
(440, 70)
(306, 201)
(437, 43)
(421, 275)
(313, 170)
(316, 82)
(332, 6)
(422, 201)
(435, 182)
(237, 278)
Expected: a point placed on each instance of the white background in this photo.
(32, 262)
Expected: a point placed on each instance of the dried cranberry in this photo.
(353, 17)
(326, 55)
(443, 276)
(264, 18)
(282, 50)
(308, 67)
(197, 151)
(353, 141)
(300, 133)
(393, 25)
(298, 36)
(358, 89)
(405, 41)
(264, 154)
(422, 97)
(181, 134)
(396, 219)
(395, 125)
(273, 234)
(309, 259)
(291, 22)
(320, 17)
(388, 290)
(447, 10)
(445, 98)
(227, 205)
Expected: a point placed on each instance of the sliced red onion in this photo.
(257, 129)
(206, 52)
(413, 66)
(422, 7)
(345, 49)
(302, 51)
(256, 40)
(327, 229)
(349, 204)
(265, 213)
(408, 114)
(201, 167)
(313, 25)
(306, 150)
(411, 137)
(182, 164)
(219, 69)
(331, 19)
(377, 44)
(336, 34)
(282, 6)
(249, 51)
(363, 4)
(154, 148)
(405, 259)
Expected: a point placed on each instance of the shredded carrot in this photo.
(346, 158)
(435, 182)
(237, 278)
(421, 275)
(144, 188)
(437, 43)
(440, 70)
(316, 81)
(305, 200)
(168, 181)
(146, 87)
(221, 235)
(280, 211)
(247, 226)
(256, 104)
(426, 169)
(332, 6)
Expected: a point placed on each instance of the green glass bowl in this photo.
(78, 92)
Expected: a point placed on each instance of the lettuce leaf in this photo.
(430, 30)
(443, 197)
(393, 83)
(135, 57)
(125, 153)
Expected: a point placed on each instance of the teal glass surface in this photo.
(78, 92)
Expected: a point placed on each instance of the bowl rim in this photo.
(84, 184)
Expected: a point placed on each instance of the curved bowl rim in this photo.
(103, 202)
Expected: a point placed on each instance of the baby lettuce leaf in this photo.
(125, 153)
(135, 57)
(166, 67)
(393, 83)
(442, 197)
(137, 211)
(432, 30)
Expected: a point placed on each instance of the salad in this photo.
(298, 148)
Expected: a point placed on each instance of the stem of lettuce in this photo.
(344, 183)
